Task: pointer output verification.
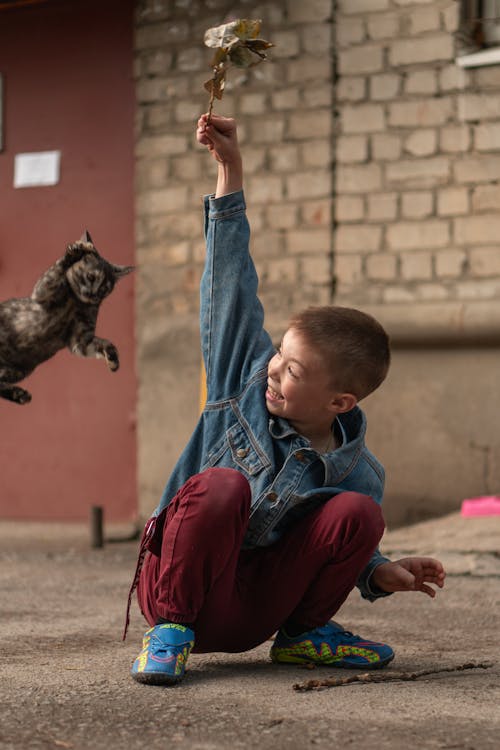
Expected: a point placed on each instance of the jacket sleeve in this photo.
(234, 342)
(367, 588)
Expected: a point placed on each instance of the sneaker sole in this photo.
(156, 678)
(335, 664)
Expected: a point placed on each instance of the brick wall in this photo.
(372, 164)
(284, 108)
(418, 161)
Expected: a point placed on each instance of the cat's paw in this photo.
(111, 356)
(76, 251)
(17, 395)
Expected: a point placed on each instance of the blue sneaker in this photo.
(165, 651)
(332, 646)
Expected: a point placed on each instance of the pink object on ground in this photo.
(487, 505)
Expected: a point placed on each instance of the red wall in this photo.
(68, 85)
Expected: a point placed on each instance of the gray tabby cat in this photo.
(62, 311)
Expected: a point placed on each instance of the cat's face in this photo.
(92, 278)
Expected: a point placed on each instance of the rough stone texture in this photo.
(361, 118)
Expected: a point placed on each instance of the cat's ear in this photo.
(120, 271)
(86, 237)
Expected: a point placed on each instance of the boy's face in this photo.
(299, 388)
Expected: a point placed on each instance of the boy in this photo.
(271, 515)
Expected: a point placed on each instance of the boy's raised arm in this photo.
(220, 137)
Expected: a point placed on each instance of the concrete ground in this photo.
(65, 671)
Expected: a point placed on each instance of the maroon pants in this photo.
(235, 599)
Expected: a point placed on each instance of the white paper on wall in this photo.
(37, 169)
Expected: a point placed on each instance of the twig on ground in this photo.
(384, 676)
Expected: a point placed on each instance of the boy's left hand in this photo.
(410, 574)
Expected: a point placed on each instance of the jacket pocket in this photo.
(238, 450)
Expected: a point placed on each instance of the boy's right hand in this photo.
(220, 137)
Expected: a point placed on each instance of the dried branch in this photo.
(384, 676)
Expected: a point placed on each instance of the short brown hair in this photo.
(354, 346)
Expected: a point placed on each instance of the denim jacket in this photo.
(288, 478)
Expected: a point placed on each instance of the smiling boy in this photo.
(272, 513)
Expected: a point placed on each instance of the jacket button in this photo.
(272, 496)
(242, 452)
(299, 456)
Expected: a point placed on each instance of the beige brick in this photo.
(316, 153)
(424, 19)
(281, 271)
(363, 118)
(158, 118)
(382, 206)
(358, 179)
(421, 142)
(362, 6)
(386, 147)
(451, 17)
(417, 205)
(431, 292)
(477, 107)
(307, 68)
(253, 103)
(316, 270)
(287, 43)
(455, 138)
(317, 96)
(282, 216)
(264, 188)
(426, 49)
(352, 148)
(488, 77)
(486, 198)
(348, 269)
(317, 124)
(364, 58)
(188, 167)
(168, 200)
(395, 294)
(160, 35)
(419, 173)
(474, 169)
(421, 113)
(384, 86)
(288, 98)
(187, 111)
(421, 82)
(317, 213)
(307, 185)
(485, 261)
(317, 38)
(478, 289)
(487, 136)
(255, 159)
(453, 201)
(450, 263)
(151, 174)
(349, 208)
(418, 235)
(477, 229)
(309, 241)
(383, 26)
(161, 145)
(153, 90)
(351, 89)
(453, 78)
(381, 266)
(416, 266)
(267, 130)
(191, 59)
(350, 31)
(357, 238)
(158, 62)
(313, 10)
(284, 158)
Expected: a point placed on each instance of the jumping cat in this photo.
(62, 311)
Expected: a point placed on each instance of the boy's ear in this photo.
(343, 402)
